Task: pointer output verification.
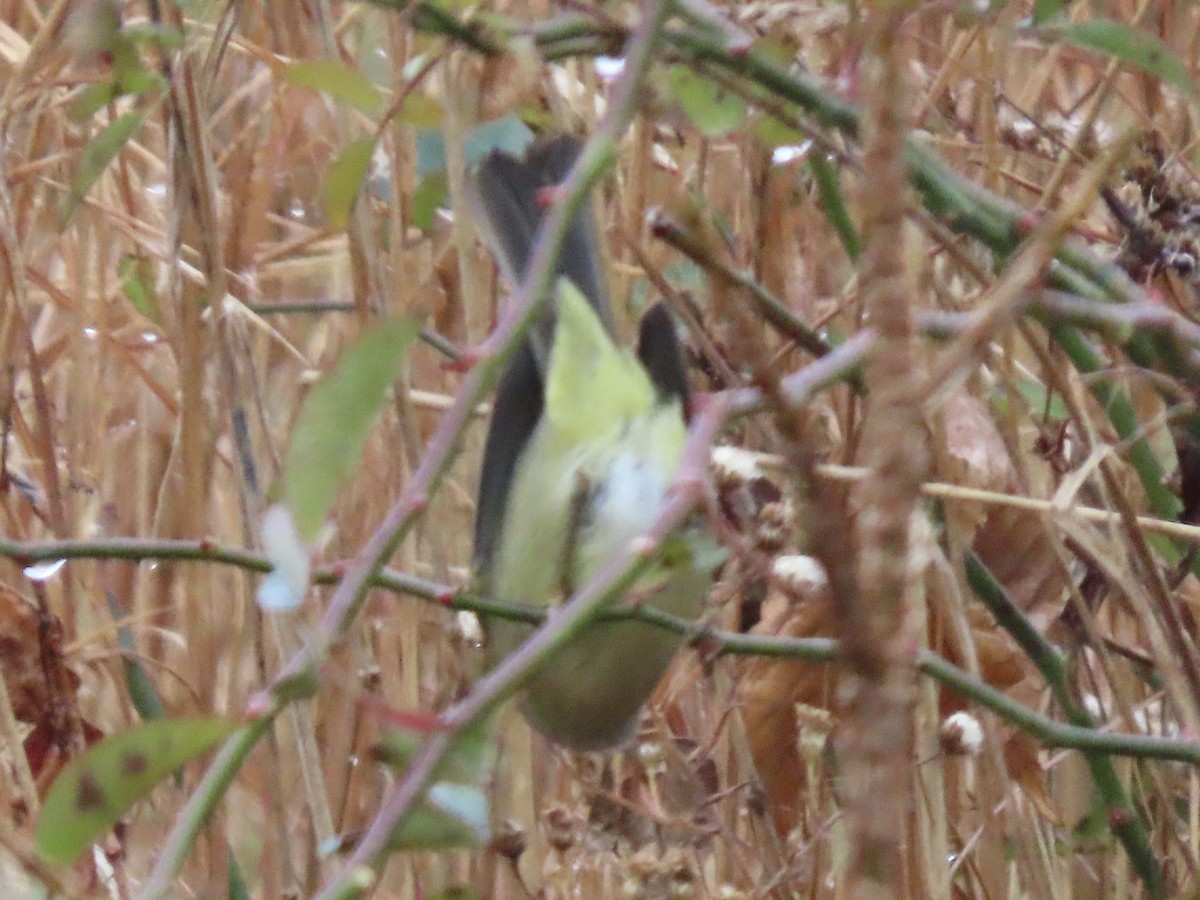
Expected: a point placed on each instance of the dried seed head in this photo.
(650, 755)
(510, 839)
(961, 735)
(561, 828)
(733, 465)
(800, 574)
(776, 525)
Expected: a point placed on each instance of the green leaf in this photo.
(1041, 402)
(833, 202)
(420, 111)
(91, 100)
(137, 283)
(469, 761)
(299, 685)
(459, 892)
(1128, 44)
(158, 36)
(454, 811)
(1045, 10)
(125, 62)
(345, 179)
(236, 887)
(142, 691)
(1093, 829)
(426, 828)
(775, 49)
(774, 133)
(141, 81)
(100, 151)
(429, 194)
(95, 97)
(340, 81)
(337, 417)
(537, 117)
(99, 787)
(713, 109)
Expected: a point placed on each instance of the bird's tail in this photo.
(509, 195)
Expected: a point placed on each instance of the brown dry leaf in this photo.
(770, 691)
(1001, 663)
(1024, 767)
(965, 634)
(1013, 544)
(976, 451)
(975, 457)
(1010, 542)
(21, 649)
(41, 686)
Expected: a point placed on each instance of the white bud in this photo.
(735, 464)
(961, 735)
(469, 627)
(800, 573)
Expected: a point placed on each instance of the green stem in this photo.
(728, 643)
(208, 793)
(829, 188)
(1122, 816)
(1123, 417)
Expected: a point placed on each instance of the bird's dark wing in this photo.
(661, 355)
(516, 409)
(507, 194)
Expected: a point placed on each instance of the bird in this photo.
(583, 445)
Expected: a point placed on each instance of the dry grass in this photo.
(119, 423)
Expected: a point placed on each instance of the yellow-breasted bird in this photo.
(584, 441)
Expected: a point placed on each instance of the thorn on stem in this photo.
(701, 401)
(548, 196)
(1027, 222)
(466, 361)
(662, 226)
(259, 705)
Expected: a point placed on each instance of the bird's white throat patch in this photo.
(623, 506)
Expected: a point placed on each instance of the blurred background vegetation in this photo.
(202, 205)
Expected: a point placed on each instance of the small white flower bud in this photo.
(961, 735)
(735, 464)
(800, 573)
